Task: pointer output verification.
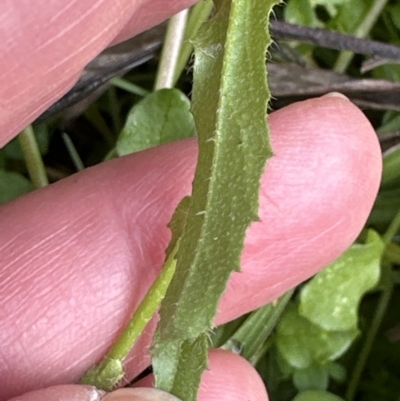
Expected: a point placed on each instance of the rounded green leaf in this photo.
(161, 117)
(330, 300)
(316, 395)
(315, 377)
(302, 343)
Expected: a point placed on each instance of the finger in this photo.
(45, 46)
(228, 377)
(87, 393)
(150, 14)
(63, 393)
(78, 256)
(139, 394)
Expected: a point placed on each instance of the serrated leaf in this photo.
(13, 185)
(229, 110)
(303, 343)
(330, 299)
(161, 117)
(184, 372)
(316, 395)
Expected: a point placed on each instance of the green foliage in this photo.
(391, 169)
(303, 343)
(13, 149)
(161, 117)
(318, 330)
(316, 395)
(330, 300)
(304, 12)
(252, 333)
(229, 111)
(299, 354)
(13, 185)
(301, 12)
(106, 374)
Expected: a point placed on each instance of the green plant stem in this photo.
(199, 13)
(95, 118)
(110, 370)
(255, 330)
(129, 86)
(115, 109)
(170, 52)
(229, 110)
(369, 340)
(388, 285)
(72, 152)
(33, 158)
(392, 229)
(362, 31)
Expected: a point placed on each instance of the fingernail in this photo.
(139, 394)
(336, 94)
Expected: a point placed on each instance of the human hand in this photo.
(78, 256)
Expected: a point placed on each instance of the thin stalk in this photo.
(388, 285)
(129, 86)
(362, 31)
(73, 152)
(33, 158)
(198, 14)
(369, 340)
(255, 330)
(114, 109)
(392, 229)
(110, 370)
(96, 119)
(170, 52)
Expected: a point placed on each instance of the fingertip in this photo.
(230, 377)
(316, 195)
(337, 95)
(63, 393)
(139, 394)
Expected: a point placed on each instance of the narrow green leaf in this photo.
(302, 343)
(161, 117)
(391, 168)
(330, 300)
(13, 185)
(229, 110)
(255, 330)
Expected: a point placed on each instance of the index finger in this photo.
(46, 45)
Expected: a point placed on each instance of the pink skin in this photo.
(78, 256)
(45, 46)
